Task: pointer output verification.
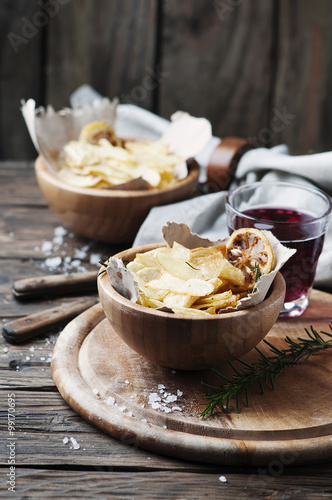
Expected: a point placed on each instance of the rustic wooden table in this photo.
(91, 464)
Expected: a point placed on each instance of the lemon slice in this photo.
(94, 131)
(249, 249)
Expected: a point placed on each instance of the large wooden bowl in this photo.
(110, 216)
(188, 342)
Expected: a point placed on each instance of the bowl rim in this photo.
(133, 307)
(192, 177)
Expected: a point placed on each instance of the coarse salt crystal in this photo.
(110, 401)
(76, 446)
(176, 408)
(95, 258)
(47, 246)
(171, 398)
(79, 254)
(65, 440)
(53, 262)
(95, 391)
(179, 393)
(161, 386)
(154, 397)
(76, 263)
(126, 381)
(5, 350)
(60, 231)
(222, 479)
(155, 405)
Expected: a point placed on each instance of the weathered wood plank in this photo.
(303, 78)
(217, 58)
(110, 45)
(21, 72)
(18, 185)
(102, 483)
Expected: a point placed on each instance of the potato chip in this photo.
(168, 277)
(231, 273)
(99, 152)
(173, 299)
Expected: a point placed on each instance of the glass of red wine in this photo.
(298, 216)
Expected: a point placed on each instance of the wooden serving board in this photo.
(156, 408)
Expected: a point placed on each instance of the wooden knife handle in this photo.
(223, 162)
(56, 284)
(22, 329)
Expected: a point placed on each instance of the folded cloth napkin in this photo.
(205, 215)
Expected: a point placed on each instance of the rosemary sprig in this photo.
(105, 264)
(192, 267)
(265, 370)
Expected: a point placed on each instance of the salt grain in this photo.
(95, 258)
(76, 446)
(223, 479)
(170, 399)
(47, 246)
(60, 231)
(154, 397)
(110, 401)
(5, 350)
(53, 263)
(65, 440)
(155, 405)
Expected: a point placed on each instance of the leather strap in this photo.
(223, 162)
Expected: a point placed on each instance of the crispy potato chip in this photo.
(231, 273)
(168, 277)
(173, 299)
(98, 151)
(149, 273)
(189, 287)
(178, 266)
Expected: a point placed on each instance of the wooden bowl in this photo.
(188, 342)
(110, 216)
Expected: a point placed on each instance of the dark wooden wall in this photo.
(255, 68)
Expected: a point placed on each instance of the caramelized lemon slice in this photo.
(94, 131)
(249, 249)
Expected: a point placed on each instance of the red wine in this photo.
(295, 230)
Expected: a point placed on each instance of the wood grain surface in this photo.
(103, 466)
(110, 385)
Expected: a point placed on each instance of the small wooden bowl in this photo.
(109, 216)
(188, 342)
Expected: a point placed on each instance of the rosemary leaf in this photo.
(265, 370)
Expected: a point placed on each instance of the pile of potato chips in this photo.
(196, 281)
(100, 160)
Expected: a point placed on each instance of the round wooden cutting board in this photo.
(156, 408)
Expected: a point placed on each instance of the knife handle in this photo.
(22, 329)
(55, 285)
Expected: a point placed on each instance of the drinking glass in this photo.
(298, 216)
